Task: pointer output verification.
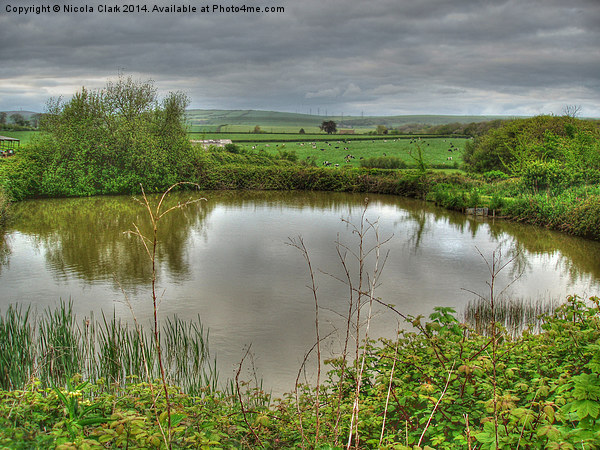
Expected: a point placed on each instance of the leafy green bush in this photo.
(107, 142)
(583, 219)
(544, 175)
(439, 384)
(494, 175)
(516, 143)
(4, 206)
(232, 148)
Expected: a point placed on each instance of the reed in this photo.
(16, 352)
(515, 315)
(55, 345)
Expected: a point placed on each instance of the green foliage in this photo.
(417, 154)
(583, 217)
(541, 175)
(79, 414)
(512, 147)
(55, 347)
(287, 155)
(108, 141)
(4, 206)
(232, 148)
(494, 175)
(328, 126)
(442, 376)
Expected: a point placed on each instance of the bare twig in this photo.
(239, 393)
(387, 400)
(151, 246)
(299, 244)
(436, 405)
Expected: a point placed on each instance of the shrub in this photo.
(108, 142)
(383, 162)
(510, 147)
(544, 175)
(494, 175)
(232, 148)
(4, 206)
(584, 218)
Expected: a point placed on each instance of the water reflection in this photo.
(85, 237)
(4, 249)
(226, 259)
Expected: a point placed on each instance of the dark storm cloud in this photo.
(379, 56)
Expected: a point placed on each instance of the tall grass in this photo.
(515, 315)
(55, 345)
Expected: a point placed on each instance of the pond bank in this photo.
(575, 211)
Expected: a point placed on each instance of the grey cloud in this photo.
(381, 56)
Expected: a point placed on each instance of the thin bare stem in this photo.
(299, 244)
(151, 246)
(436, 405)
(466, 416)
(239, 393)
(387, 399)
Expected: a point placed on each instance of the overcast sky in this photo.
(372, 57)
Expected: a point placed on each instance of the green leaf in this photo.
(177, 418)
(586, 408)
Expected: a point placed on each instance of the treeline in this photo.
(18, 121)
(461, 129)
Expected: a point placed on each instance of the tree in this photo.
(18, 119)
(381, 129)
(302, 131)
(329, 126)
(2, 118)
(571, 110)
(34, 120)
(257, 129)
(112, 140)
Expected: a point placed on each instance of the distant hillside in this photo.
(244, 120)
(26, 114)
(214, 117)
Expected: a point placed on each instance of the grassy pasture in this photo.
(259, 137)
(24, 136)
(336, 149)
(284, 137)
(284, 128)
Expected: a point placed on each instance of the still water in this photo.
(227, 259)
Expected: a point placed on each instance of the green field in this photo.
(332, 148)
(24, 136)
(286, 137)
(335, 149)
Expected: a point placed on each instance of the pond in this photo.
(227, 259)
